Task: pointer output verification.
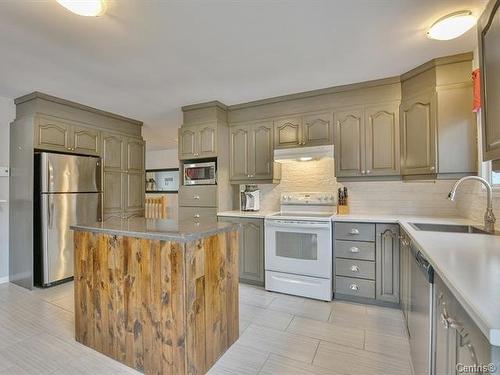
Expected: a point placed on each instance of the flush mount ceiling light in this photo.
(452, 25)
(88, 8)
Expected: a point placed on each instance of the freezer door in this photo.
(59, 211)
(69, 174)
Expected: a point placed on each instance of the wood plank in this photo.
(177, 278)
(232, 293)
(165, 330)
(145, 304)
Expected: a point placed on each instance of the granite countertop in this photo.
(248, 214)
(158, 229)
(469, 264)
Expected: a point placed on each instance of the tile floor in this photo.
(279, 335)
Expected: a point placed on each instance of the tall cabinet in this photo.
(47, 123)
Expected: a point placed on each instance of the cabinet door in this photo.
(349, 143)
(382, 140)
(287, 132)
(113, 147)
(187, 143)
(85, 140)
(52, 134)
(261, 151)
(387, 262)
(418, 135)
(135, 175)
(445, 336)
(239, 144)
(251, 255)
(317, 129)
(207, 135)
(489, 56)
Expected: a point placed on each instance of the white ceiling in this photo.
(146, 58)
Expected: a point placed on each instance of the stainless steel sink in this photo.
(450, 228)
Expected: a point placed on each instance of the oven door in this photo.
(199, 174)
(299, 247)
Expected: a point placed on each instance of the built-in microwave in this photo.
(203, 173)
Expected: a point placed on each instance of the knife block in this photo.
(343, 210)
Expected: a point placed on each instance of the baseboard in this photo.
(4, 279)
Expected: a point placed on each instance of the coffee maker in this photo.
(249, 198)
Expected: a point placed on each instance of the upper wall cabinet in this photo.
(367, 141)
(309, 130)
(251, 153)
(438, 127)
(489, 56)
(198, 141)
(54, 134)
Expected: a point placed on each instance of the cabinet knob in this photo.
(354, 231)
(196, 216)
(368, 171)
(354, 249)
(363, 172)
(432, 168)
(354, 287)
(196, 197)
(354, 268)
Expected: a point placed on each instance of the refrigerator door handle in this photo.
(51, 211)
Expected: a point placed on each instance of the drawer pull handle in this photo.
(196, 216)
(354, 287)
(196, 197)
(354, 268)
(354, 231)
(354, 249)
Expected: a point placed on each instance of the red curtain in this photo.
(476, 79)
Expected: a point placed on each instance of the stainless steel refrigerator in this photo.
(67, 191)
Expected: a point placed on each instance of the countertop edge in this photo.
(154, 235)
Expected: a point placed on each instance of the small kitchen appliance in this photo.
(249, 198)
(298, 246)
(200, 173)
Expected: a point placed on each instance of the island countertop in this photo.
(157, 229)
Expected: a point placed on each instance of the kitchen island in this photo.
(157, 295)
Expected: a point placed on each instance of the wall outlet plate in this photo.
(4, 171)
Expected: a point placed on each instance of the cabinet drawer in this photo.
(355, 250)
(355, 231)
(198, 196)
(363, 269)
(355, 287)
(197, 213)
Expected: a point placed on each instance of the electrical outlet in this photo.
(4, 171)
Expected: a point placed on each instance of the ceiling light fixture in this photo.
(88, 8)
(452, 25)
(305, 158)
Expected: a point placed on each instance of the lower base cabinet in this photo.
(461, 347)
(251, 257)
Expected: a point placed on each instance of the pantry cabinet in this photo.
(123, 175)
(367, 141)
(198, 141)
(251, 153)
(314, 129)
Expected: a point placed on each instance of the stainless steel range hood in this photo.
(303, 153)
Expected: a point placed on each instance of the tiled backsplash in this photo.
(393, 197)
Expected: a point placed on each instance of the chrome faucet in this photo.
(489, 217)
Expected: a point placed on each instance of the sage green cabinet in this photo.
(198, 141)
(251, 256)
(349, 143)
(382, 146)
(251, 153)
(489, 58)
(418, 135)
(405, 259)
(54, 134)
(387, 262)
(315, 129)
(123, 175)
(367, 141)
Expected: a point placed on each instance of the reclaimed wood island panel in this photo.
(156, 295)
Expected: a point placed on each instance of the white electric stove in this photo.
(298, 246)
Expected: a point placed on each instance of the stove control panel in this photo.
(316, 198)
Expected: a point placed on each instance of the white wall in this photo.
(7, 114)
(160, 159)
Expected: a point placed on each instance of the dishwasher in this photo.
(420, 318)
